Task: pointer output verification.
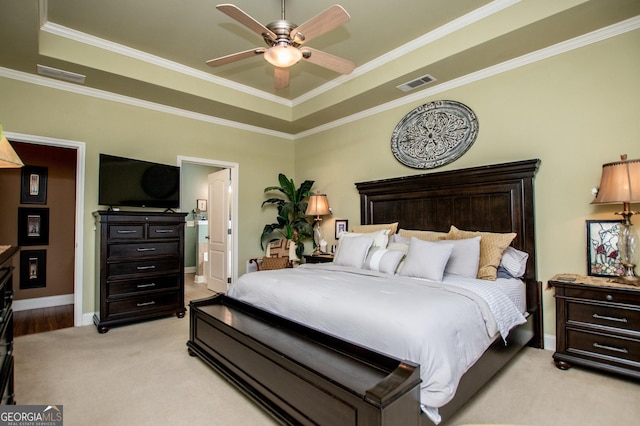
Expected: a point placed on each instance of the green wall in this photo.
(129, 131)
(575, 112)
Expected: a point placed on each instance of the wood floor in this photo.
(57, 317)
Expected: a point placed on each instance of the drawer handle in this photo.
(164, 231)
(611, 348)
(125, 231)
(604, 317)
(146, 285)
(145, 304)
(142, 249)
(144, 268)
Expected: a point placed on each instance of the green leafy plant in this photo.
(292, 222)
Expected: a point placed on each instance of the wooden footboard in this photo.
(299, 375)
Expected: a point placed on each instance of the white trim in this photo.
(549, 342)
(530, 58)
(575, 43)
(190, 270)
(440, 32)
(235, 173)
(78, 261)
(42, 302)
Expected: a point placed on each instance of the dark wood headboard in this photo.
(494, 198)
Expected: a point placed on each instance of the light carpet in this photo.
(141, 374)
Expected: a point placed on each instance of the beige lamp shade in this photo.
(620, 182)
(318, 205)
(8, 157)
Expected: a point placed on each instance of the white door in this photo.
(219, 238)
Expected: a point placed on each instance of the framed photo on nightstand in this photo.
(342, 225)
(603, 258)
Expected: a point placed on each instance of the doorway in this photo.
(215, 165)
(79, 147)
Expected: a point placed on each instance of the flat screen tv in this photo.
(137, 183)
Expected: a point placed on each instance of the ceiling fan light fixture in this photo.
(282, 55)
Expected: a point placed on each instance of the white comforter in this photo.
(444, 327)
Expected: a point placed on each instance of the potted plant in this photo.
(292, 222)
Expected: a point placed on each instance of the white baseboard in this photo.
(190, 269)
(87, 319)
(42, 302)
(549, 342)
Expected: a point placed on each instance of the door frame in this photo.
(235, 172)
(78, 258)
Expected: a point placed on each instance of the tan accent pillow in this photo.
(269, 263)
(492, 246)
(423, 235)
(392, 227)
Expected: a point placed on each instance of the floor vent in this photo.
(60, 74)
(414, 84)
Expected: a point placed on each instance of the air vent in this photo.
(60, 74)
(414, 84)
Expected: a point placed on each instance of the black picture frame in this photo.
(33, 226)
(34, 185)
(342, 225)
(603, 257)
(33, 269)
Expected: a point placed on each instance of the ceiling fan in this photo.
(285, 42)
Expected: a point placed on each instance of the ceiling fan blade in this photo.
(326, 60)
(320, 24)
(281, 78)
(223, 60)
(246, 20)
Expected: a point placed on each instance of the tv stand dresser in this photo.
(139, 266)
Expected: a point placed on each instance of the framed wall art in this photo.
(342, 225)
(202, 204)
(33, 226)
(33, 188)
(33, 269)
(603, 258)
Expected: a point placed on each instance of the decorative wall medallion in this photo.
(434, 134)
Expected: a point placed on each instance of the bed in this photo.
(305, 376)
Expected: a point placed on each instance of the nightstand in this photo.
(318, 258)
(597, 324)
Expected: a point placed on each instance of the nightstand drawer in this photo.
(604, 347)
(605, 316)
(138, 250)
(603, 294)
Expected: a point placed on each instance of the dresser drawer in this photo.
(605, 316)
(610, 348)
(126, 232)
(144, 304)
(151, 266)
(138, 250)
(604, 295)
(164, 231)
(166, 282)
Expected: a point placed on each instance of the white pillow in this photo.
(426, 259)
(514, 261)
(353, 251)
(380, 238)
(383, 260)
(464, 258)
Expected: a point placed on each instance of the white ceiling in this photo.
(155, 50)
